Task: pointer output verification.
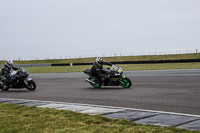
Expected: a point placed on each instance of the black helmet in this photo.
(99, 61)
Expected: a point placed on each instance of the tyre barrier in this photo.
(135, 62)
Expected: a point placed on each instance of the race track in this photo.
(168, 90)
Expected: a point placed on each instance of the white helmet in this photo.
(9, 63)
(99, 61)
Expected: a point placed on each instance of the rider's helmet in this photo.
(9, 63)
(99, 61)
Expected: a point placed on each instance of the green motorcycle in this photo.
(114, 76)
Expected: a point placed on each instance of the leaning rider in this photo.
(97, 70)
(5, 72)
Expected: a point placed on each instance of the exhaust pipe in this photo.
(89, 81)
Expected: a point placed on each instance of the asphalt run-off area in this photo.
(157, 97)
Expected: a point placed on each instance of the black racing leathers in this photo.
(97, 73)
(5, 71)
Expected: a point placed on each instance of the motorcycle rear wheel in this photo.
(94, 85)
(4, 87)
(31, 85)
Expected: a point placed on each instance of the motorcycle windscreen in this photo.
(23, 73)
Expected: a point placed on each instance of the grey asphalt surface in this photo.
(169, 90)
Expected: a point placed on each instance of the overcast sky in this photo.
(88, 28)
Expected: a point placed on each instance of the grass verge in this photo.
(161, 66)
(126, 67)
(23, 119)
(112, 59)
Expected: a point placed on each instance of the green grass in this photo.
(125, 67)
(161, 66)
(112, 59)
(17, 118)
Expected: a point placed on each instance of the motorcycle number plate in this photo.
(119, 71)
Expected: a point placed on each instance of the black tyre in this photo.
(94, 85)
(4, 87)
(31, 85)
(1, 84)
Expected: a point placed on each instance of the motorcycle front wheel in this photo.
(31, 85)
(125, 82)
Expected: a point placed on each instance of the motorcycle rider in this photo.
(5, 72)
(97, 72)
